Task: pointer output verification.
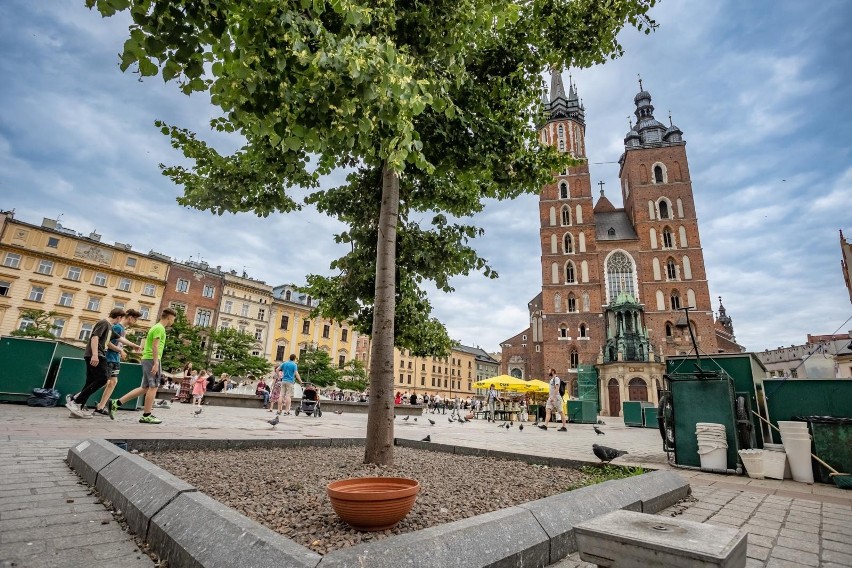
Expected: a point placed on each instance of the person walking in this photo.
(152, 355)
(97, 370)
(115, 353)
(289, 376)
(492, 398)
(554, 401)
(199, 387)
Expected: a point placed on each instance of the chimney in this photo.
(48, 223)
(94, 236)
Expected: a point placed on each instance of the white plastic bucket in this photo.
(792, 424)
(713, 457)
(774, 464)
(799, 454)
(785, 437)
(753, 462)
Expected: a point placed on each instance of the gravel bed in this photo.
(284, 488)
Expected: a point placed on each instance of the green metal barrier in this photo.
(787, 398)
(583, 411)
(27, 363)
(632, 412)
(71, 376)
(702, 400)
(587, 385)
(650, 414)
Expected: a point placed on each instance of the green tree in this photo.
(353, 376)
(235, 348)
(315, 367)
(42, 323)
(433, 102)
(183, 344)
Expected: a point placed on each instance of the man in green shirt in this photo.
(152, 354)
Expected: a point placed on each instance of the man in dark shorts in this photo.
(97, 371)
(114, 354)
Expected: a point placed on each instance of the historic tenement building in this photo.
(615, 280)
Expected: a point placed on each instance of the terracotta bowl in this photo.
(373, 503)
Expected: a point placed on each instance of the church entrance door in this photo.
(637, 389)
(614, 398)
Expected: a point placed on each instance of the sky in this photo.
(760, 89)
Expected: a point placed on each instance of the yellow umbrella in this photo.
(536, 386)
(501, 383)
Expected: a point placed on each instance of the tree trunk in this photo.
(379, 446)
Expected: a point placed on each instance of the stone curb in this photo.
(89, 457)
(501, 539)
(138, 489)
(167, 511)
(196, 531)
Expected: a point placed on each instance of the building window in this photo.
(570, 276)
(182, 285)
(100, 279)
(668, 329)
(131, 262)
(326, 331)
(85, 331)
(664, 209)
(124, 284)
(288, 295)
(285, 322)
(203, 317)
(58, 327)
(225, 324)
(149, 290)
(36, 294)
(119, 305)
(568, 244)
(619, 275)
(344, 335)
(671, 269)
(25, 323)
(306, 326)
(675, 299)
(572, 303)
(562, 145)
(258, 334)
(229, 305)
(583, 331)
(538, 348)
(279, 353)
(74, 273)
(341, 361)
(208, 291)
(178, 306)
(244, 310)
(563, 190)
(566, 215)
(575, 359)
(667, 238)
(261, 314)
(4, 288)
(45, 267)
(145, 312)
(12, 260)
(658, 174)
(94, 304)
(610, 232)
(563, 331)
(53, 242)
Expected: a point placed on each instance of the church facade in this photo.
(615, 280)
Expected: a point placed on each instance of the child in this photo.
(199, 387)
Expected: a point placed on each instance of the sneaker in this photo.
(112, 406)
(563, 429)
(101, 411)
(543, 427)
(150, 419)
(68, 398)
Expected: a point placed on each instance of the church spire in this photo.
(557, 88)
(561, 105)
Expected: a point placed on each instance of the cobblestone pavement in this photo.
(780, 515)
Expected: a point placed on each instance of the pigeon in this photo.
(197, 412)
(511, 422)
(338, 412)
(450, 419)
(535, 423)
(601, 422)
(406, 418)
(415, 419)
(606, 454)
(598, 431)
(432, 422)
(508, 426)
(520, 427)
(274, 422)
(427, 439)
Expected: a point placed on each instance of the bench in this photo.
(627, 539)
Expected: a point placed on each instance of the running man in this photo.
(152, 355)
(289, 376)
(97, 372)
(554, 402)
(114, 355)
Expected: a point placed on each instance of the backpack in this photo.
(43, 397)
(561, 387)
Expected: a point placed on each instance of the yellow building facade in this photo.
(55, 269)
(246, 305)
(294, 331)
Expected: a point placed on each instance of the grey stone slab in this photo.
(658, 489)
(90, 456)
(508, 538)
(139, 489)
(634, 540)
(195, 531)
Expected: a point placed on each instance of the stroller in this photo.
(310, 403)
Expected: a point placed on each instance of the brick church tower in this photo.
(614, 279)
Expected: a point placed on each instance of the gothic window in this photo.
(667, 238)
(658, 174)
(572, 302)
(619, 275)
(664, 209)
(566, 215)
(675, 299)
(570, 273)
(575, 359)
(568, 244)
(563, 190)
(561, 131)
(583, 331)
(610, 232)
(671, 269)
(563, 331)
(669, 329)
(562, 145)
